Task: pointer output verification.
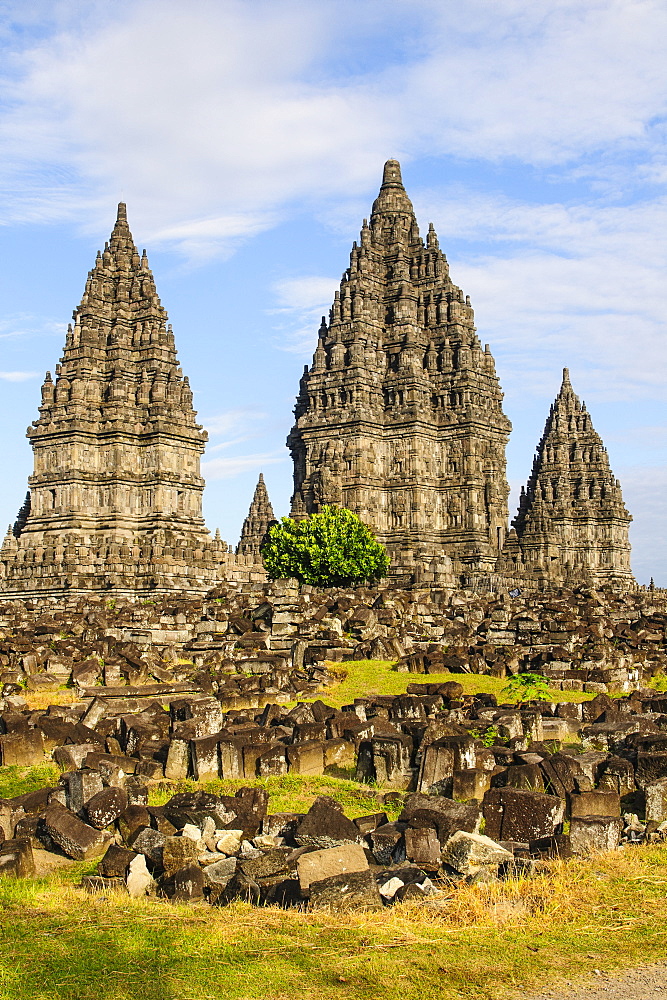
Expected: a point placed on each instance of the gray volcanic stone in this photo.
(325, 827)
(106, 806)
(74, 837)
(351, 891)
(16, 858)
(468, 852)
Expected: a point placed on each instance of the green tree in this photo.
(527, 687)
(332, 548)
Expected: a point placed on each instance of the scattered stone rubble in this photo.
(202, 690)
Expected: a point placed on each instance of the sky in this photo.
(248, 137)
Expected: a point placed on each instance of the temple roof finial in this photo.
(392, 174)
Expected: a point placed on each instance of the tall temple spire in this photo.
(400, 415)
(572, 523)
(116, 449)
(257, 523)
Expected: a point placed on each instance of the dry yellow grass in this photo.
(487, 941)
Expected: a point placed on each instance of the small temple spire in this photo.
(257, 523)
(575, 507)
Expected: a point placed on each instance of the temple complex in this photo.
(399, 418)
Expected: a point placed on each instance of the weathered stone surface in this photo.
(594, 833)
(177, 853)
(106, 806)
(324, 826)
(16, 858)
(318, 865)
(468, 852)
(138, 879)
(115, 862)
(442, 814)
(75, 838)
(352, 891)
(516, 814)
(655, 797)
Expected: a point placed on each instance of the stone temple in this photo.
(115, 501)
(399, 418)
(572, 521)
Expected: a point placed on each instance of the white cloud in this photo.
(211, 117)
(18, 376)
(569, 285)
(231, 421)
(227, 468)
(300, 304)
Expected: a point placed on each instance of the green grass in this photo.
(365, 678)
(20, 780)
(485, 942)
(292, 793)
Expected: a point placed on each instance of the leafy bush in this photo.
(332, 548)
(527, 687)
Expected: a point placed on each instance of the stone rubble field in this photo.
(217, 689)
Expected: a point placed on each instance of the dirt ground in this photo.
(649, 982)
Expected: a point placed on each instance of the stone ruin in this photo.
(218, 688)
(399, 418)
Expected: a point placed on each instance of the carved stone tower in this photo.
(115, 497)
(400, 415)
(572, 524)
(256, 524)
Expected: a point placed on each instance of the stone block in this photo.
(106, 806)
(306, 758)
(470, 783)
(186, 884)
(389, 844)
(178, 853)
(138, 879)
(441, 814)
(323, 826)
(338, 753)
(177, 765)
(650, 767)
(150, 843)
(594, 833)
(272, 760)
(22, 749)
(467, 853)
(78, 840)
(131, 820)
(422, 846)
(439, 761)
(655, 796)
(352, 891)
(205, 758)
(521, 815)
(115, 862)
(596, 803)
(16, 858)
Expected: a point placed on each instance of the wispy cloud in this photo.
(227, 468)
(300, 304)
(18, 376)
(26, 324)
(212, 117)
(231, 421)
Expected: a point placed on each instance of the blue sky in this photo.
(248, 138)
